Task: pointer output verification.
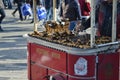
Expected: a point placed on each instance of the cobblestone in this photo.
(13, 47)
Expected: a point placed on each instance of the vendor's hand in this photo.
(67, 19)
(64, 19)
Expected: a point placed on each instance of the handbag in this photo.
(26, 9)
(41, 13)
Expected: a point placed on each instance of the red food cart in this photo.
(47, 59)
(52, 61)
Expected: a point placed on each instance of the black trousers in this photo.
(19, 10)
(2, 15)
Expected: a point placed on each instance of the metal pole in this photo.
(34, 15)
(54, 10)
(114, 20)
(92, 41)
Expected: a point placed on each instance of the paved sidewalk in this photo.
(13, 49)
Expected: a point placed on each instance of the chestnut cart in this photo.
(51, 61)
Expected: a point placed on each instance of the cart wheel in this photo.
(46, 77)
(56, 77)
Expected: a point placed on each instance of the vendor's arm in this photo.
(86, 24)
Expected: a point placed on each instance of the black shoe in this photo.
(25, 18)
(13, 14)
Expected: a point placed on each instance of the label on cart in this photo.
(80, 67)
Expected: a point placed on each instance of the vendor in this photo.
(104, 19)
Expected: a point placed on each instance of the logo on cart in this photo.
(80, 67)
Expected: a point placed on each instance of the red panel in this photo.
(85, 66)
(28, 59)
(108, 68)
(75, 65)
(49, 57)
(38, 73)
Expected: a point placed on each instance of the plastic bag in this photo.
(26, 9)
(41, 13)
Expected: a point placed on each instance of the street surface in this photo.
(13, 49)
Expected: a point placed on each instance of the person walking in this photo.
(16, 9)
(2, 13)
(48, 9)
(9, 4)
(37, 3)
(19, 4)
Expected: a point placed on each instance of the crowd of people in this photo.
(74, 11)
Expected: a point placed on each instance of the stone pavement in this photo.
(13, 49)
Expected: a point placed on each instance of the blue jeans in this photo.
(9, 4)
(49, 14)
(72, 25)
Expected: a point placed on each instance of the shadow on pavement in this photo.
(4, 78)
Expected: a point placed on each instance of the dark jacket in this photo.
(70, 11)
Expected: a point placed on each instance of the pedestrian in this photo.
(5, 3)
(16, 9)
(19, 5)
(13, 13)
(47, 6)
(9, 4)
(67, 13)
(2, 13)
(41, 14)
(37, 3)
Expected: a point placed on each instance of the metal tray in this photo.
(102, 48)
